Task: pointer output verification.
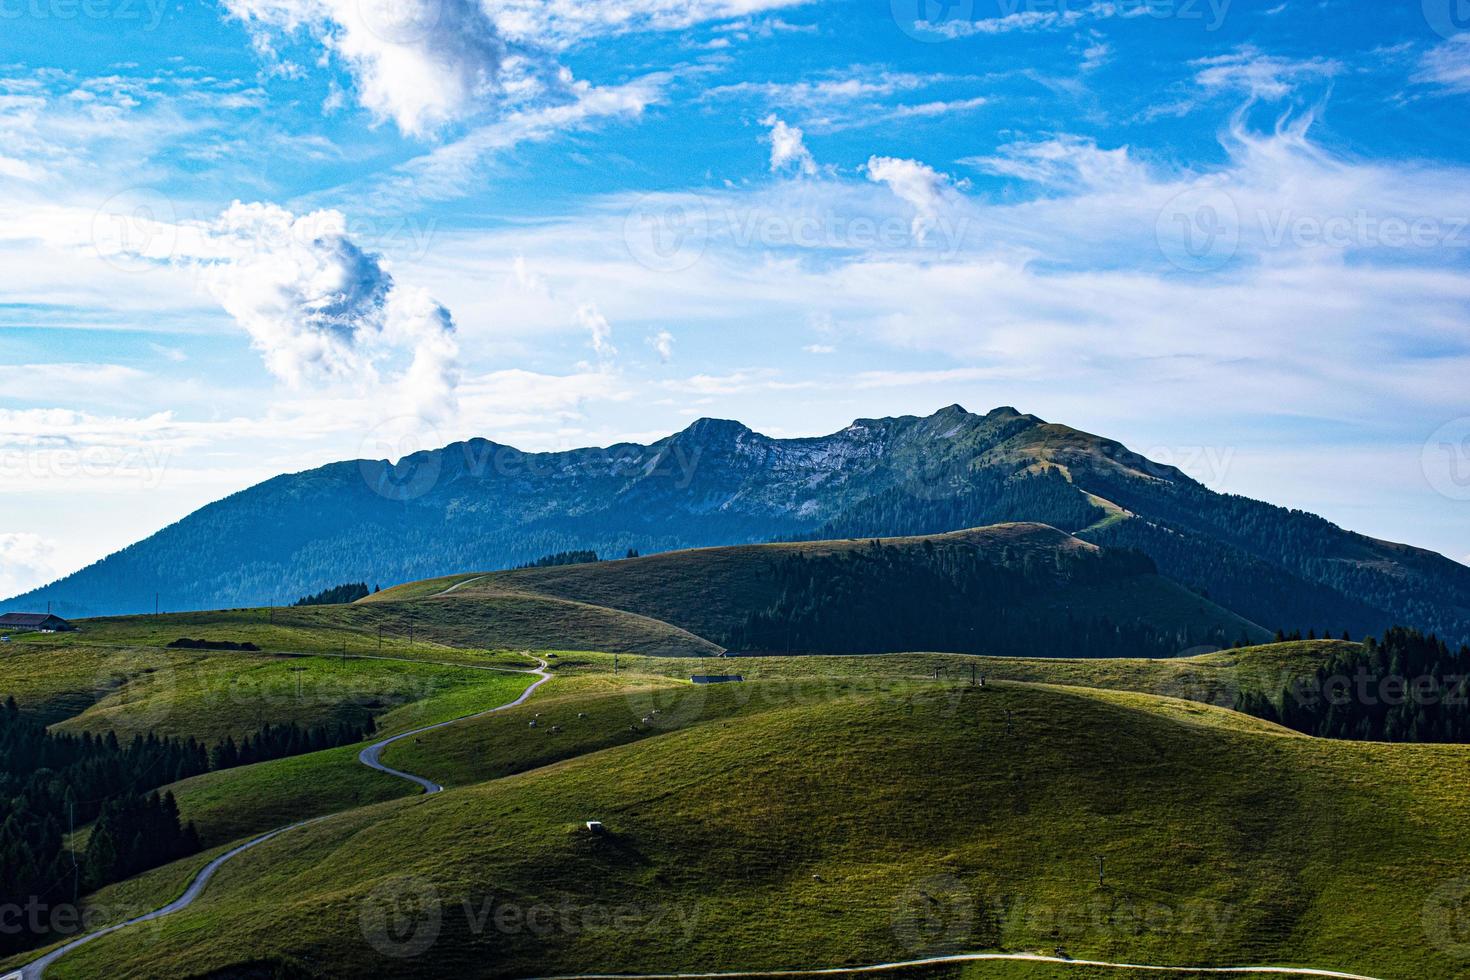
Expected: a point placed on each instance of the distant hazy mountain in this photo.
(479, 505)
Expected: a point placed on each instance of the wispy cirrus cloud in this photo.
(563, 23)
(1447, 66)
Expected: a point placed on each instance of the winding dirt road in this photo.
(1289, 971)
(369, 757)
(372, 757)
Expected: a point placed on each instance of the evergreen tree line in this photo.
(1409, 687)
(337, 595)
(282, 741)
(575, 557)
(953, 598)
(134, 833)
(51, 782)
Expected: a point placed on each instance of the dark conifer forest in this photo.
(1407, 687)
(953, 599)
(51, 783)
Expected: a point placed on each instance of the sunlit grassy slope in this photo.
(234, 803)
(234, 694)
(427, 626)
(844, 826)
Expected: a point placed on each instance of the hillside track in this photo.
(369, 757)
(1288, 971)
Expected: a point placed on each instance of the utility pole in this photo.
(155, 605)
(1099, 871)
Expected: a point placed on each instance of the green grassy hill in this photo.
(682, 603)
(850, 826)
(678, 587)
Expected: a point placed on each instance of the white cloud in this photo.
(859, 82)
(1096, 54)
(421, 63)
(592, 320)
(1068, 162)
(26, 561)
(1258, 75)
(174, 354)
(662, 344)
(1020, 20)
(36, 382)
(320, 308)
(916, 183)
(788, 151)
(1447, 65)
(453, 170)
(563, 22)
(820, 349)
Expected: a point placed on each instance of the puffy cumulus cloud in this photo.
(663, 345)
(788, 149)
(918, 184)
(26, 561)
(421, 63)
(320, 308)
(592, 320)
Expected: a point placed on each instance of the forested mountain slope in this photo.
(479, 505)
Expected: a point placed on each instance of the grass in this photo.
(852, 827)
(430, 627)
(236, 803)
(123, 901)
(234, 694)
(675, 587)
(1211, 678)
(233, 804)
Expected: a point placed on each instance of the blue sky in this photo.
(252, 236)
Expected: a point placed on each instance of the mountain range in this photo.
(479, 505)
